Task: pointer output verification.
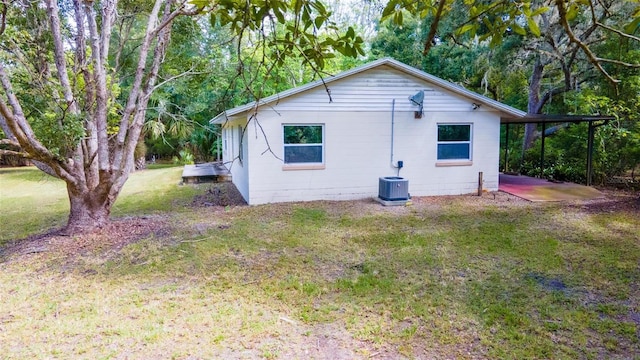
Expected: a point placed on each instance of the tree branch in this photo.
(109, 8)
(125, 158)
(3, 17)
(614, 30)
(136, 86)
(124, 29)
(602, 25)
(264, 135)
(186, 73)
(618, 62)
(9, 142)
(24, 135)
(59, 55)
(16, 120)
(587, 51)
(434, 27)
(21, 154)
(99, 113)
(181, 10)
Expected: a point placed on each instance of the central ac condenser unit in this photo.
(392, 188)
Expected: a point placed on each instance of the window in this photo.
(454, 142)
(226, 141)
(240, 143)
(303, 144)
(228, 144)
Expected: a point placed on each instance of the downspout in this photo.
(393, 113)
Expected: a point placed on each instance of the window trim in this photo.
(303, 165)
(455, 162)
(300, 166)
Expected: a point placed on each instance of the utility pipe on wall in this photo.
(393, 113)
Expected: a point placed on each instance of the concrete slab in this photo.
(206, 172)
(534, 189)
(393, 202)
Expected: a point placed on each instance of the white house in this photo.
(334, 142)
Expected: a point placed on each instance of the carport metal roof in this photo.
(544, 118)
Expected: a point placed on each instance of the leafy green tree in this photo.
(77, 77)
(566, 50)
(401, 43)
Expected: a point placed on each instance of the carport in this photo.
(539, 189)
(594, 121)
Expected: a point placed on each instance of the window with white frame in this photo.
(303, 144)
(454, 142)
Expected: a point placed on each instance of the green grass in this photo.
(462, 278)
(32, 202)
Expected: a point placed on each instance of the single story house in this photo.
(333, 139)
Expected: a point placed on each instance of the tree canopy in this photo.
(554, 57)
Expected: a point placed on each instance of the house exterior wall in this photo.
(358, 151)
(237, 164)
(357, 141)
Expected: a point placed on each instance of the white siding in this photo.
(357, 127)
(372, 91)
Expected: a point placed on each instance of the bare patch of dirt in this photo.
(326, 341)
(112, 237)
(369, 207)
(613, 201)
(220, 194)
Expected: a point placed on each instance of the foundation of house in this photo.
(393, 202)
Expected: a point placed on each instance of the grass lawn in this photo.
(448, 277)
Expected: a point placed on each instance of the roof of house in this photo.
(457, 89)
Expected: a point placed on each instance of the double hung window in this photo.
(454, 142)
(304, 144)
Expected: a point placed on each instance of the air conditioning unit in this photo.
(392, 188)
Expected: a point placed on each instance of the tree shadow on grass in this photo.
(55, 244)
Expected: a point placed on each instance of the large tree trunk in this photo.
(140, 154)
(537, 101)
(88, 211)
(534, 105)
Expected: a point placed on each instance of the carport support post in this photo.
(219, 145)
(544, 130)
(506, 148)
(590, 153)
